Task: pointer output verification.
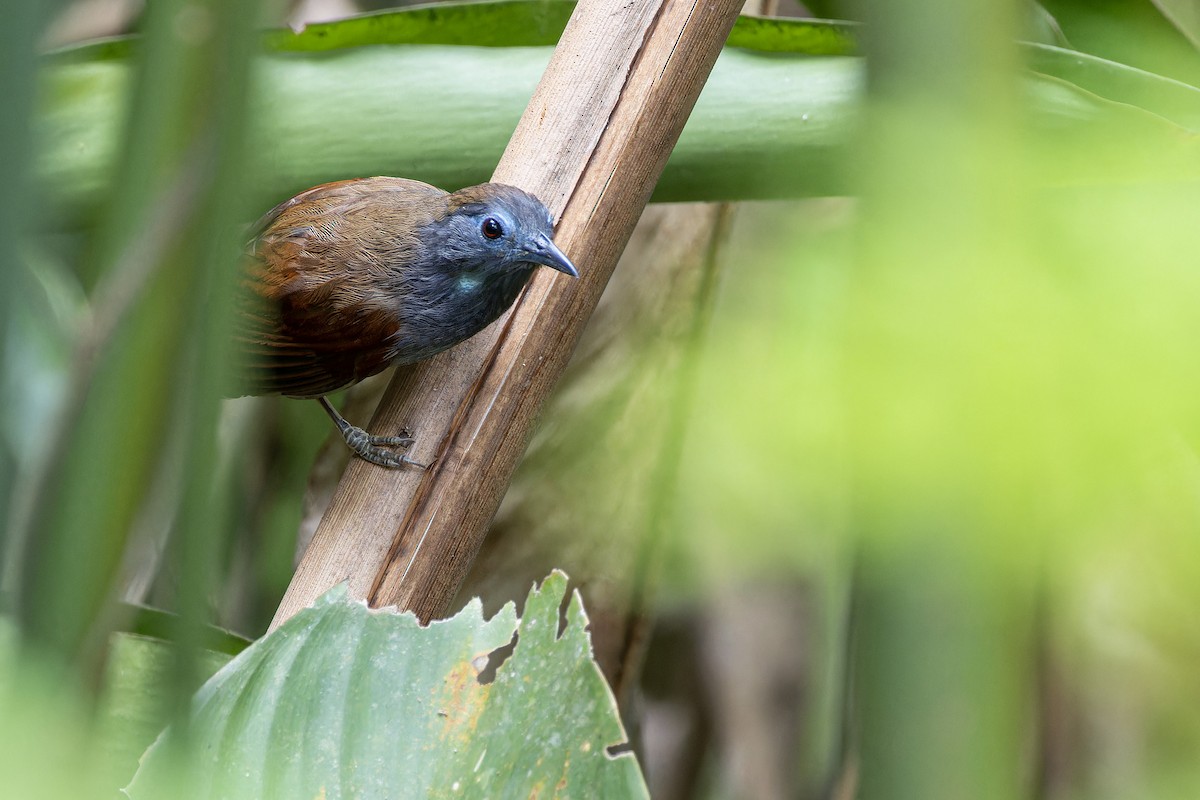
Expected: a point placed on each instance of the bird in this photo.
(348, 278)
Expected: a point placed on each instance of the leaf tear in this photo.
(619, 749)
(496, 659)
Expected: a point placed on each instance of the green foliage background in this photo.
(957, 385)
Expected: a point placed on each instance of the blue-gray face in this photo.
(501, 228)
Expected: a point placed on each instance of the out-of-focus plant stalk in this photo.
(202, 525)
(17, 65)
(943, 666)
(144, 390)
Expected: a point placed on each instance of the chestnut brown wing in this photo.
(312, 316)
(294, 344)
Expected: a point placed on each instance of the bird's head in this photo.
(494, 228)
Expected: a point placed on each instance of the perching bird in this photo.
(349, 278)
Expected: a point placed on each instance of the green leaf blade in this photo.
(346, 702)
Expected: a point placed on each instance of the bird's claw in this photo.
(386, 458)
(374, 448)
(404, 440)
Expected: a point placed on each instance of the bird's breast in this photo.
(441, 314)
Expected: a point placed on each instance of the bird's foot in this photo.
(376, 448)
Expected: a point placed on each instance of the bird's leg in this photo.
(368, 447)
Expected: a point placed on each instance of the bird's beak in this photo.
(545, 252)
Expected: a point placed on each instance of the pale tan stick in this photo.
(591, 145)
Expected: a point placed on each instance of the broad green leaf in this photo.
(495, 23)
(1139, 33)
(765, 125)
(1166, 97)
(347, 702)
(487, 23)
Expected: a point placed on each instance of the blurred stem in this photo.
(200, 532)
(943, 664)
(944, 673)
(145, 389)
(22, 26)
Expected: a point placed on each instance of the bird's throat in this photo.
(471, 283)
(486, 297)
(466, 304)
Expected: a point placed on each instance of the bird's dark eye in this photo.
(492, 228)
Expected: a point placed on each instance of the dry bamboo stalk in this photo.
(608, 442)
(591, 145)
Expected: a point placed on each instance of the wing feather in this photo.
(311, 317)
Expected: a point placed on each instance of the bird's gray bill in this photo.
(546, 253)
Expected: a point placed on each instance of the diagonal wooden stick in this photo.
(591, 145)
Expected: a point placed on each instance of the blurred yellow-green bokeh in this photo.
(979, 384)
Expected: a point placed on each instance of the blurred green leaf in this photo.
(135, 701)
(812, 37)
(1184, 15)
(984, 383)
(344, 701)
(154, 624)
(485, 23)
(451, 128)
(18, 211)
(493, 23)
(841, 9)
(767, 125)
(1172, 99)
(46, 746)
(132, 707)
(43, 329)
(1132, 32)
(142, 394)
(1043, 28)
